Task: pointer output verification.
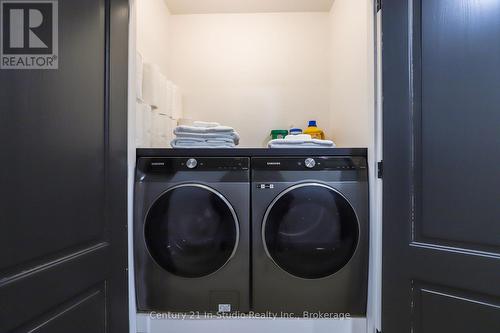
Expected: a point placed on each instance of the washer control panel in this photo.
(153, 165)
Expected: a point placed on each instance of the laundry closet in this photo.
(260, 67)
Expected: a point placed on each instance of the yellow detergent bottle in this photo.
(314, 131)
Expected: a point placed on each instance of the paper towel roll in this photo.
(155, 129)
(161, 130)
(177, 111)
(139, 125)
(138, 76)
(147, 112)
(151, 85)
(142, 125)
(172, 124)
(170, 98)
(164, 104)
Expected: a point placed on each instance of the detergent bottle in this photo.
(314, 131)
(295, 131)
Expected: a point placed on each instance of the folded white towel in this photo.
(219, 139)
(205, 134)
(298, 137)
(202, 143)
(301, 143)
(205, 124)
(197, 129)
(234, 136)
(201, 146)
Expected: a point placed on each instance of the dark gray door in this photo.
(63, 180)
(441, 254)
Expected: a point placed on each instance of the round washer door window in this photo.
(310, 231)
(191, 231)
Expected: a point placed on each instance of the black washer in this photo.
(191, 231)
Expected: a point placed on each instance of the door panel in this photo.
(476, 312)
(460, 128)
(56, 139)
(49, 285)
(74, 317)
(441, 67)
(63, 214)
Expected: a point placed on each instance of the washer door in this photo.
(191, 231)
(310, 230)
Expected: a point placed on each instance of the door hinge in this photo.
(380, 170)
(378, 331)
(379, 5)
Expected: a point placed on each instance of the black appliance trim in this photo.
(250, 152)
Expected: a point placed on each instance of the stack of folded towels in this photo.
(300, 141)
(205, 135)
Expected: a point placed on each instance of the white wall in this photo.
(153, 17)
(352, 81)
(254, 72)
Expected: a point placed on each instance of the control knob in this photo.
(191, 163)
(310, 163)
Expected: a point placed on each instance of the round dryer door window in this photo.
(191, 231)
(310, 231)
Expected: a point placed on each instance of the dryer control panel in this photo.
(314, 163)
(267, 171)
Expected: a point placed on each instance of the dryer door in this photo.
(191, 231)
(310, 231)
